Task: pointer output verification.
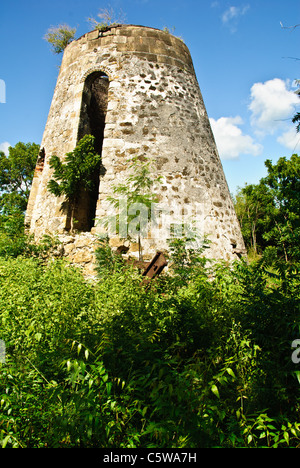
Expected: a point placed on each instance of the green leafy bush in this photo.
(201, 359)
(59, 37)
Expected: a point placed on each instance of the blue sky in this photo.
(245, 53)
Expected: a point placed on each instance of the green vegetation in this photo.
(201, 357)
(188, 362)
(269, 212)
(59, 37)
(107, 18)
(16, 172)
(137, 191)
(76, 174)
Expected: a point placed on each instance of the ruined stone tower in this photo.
(134, 88)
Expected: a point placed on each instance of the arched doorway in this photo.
(92, 121)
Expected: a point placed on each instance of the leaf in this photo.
(5, 440)
(230, 372)
(286, 437)
(91, 381)
(108, 387)
(293, 431)
(38, 336)
(215, 391)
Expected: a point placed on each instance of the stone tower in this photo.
(134, 88)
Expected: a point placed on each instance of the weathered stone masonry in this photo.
(135, 89)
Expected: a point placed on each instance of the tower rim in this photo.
(108, 28)
(123, 25)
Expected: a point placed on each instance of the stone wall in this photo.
(154, 109)
(79, 250)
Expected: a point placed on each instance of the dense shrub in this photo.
(200, 359)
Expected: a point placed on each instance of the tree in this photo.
(284, 181)
(16, 173)
(59, 37)
(132, 218)
(254, 206)
(296, 118)
(269, 212)
(76, 173)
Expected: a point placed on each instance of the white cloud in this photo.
(272, 103)
(230, 140)
(290, 139)
(4, 147)
(231, 16)
(234, 12)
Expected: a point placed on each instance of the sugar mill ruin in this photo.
(135, 89)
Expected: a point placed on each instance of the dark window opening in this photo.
(92, 121)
